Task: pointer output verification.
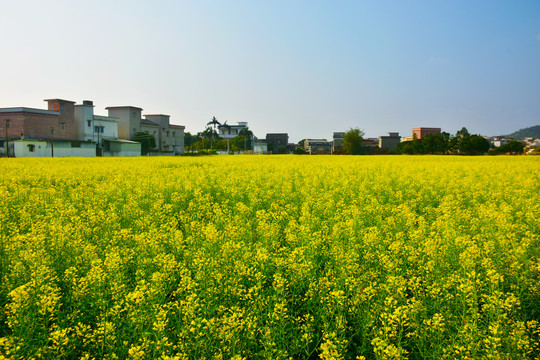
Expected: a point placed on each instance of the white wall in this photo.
(110, 127)
(83, 113)
(22, 148)
(61, 149)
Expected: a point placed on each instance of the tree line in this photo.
(462, 143)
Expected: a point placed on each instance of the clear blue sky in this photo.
(308, 68)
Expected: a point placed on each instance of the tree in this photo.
(214, 122)
(434, 144)
(407, 147)
(467, 144)
(147, 141)
(512, 147)
(244, 136)
(213, 133)
(463, 132)
(352, 142)
(189, 140)
(478, 145)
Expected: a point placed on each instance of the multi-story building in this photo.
(231, 131)
(170, 137)
(129, 120)
(277, 142)
(337, 143)
(420, 132)
(20, 122)
(36, 129)
(370, 143)
(67, 129)
(390, 142)
(317, 146)
(66, 118)
(176, 140)
(151, 128)
(91, 127)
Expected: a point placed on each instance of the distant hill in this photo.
(533, 131)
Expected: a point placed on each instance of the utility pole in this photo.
(7, 142)
(52, 141)
(98, 143)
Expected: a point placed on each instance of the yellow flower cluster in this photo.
(274, 257)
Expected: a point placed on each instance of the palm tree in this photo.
(225, 126)
(213, 123)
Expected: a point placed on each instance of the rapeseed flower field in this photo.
(270, 257)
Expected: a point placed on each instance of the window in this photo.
(173, 134)
(62, 108)
(89, 122)
(7, 123)
(75, 144)
(56, 107)
(63, 125)
(98, 129)
(167, 134)
(31, 147)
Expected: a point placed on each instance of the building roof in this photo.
(391, 135)
(28, 110)
(122, 107)
(106, 118)
(237, 126)
(270, 136)
(157, 115)
(177, 126)
(27, 138)
(148, 122)
(60, 100)
(122, 141)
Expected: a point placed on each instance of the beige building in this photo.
(169, 138)
(129, 120)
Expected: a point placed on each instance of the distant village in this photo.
(69, 129)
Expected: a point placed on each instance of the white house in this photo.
(231, 131)
(91, 127)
